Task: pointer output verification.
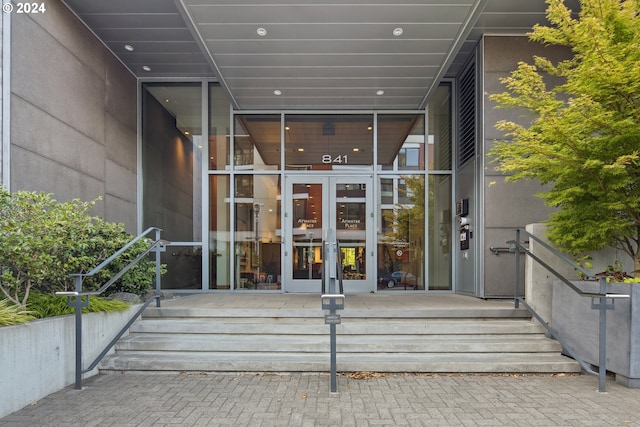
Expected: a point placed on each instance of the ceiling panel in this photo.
(318, 54)
(319, 14)
(328, 32)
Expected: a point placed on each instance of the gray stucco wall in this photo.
(506, 205)
(73, 115)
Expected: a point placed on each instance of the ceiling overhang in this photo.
(305, 55)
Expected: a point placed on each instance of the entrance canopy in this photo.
(311, 54)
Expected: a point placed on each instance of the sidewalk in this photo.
(247, 399)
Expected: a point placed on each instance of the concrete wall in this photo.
(539, 281)
(506, 205)
(38, 358)
(73, 115)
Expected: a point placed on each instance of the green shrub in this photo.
(11, 314)
(44, 241)
(47, 305)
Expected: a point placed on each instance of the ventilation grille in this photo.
(467, 115)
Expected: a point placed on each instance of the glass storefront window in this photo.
(184, 266)
(400, 238)
(440, 129)
(440, 230)
(256, 142)
(258, 233)
(219, 232)
(243, 155)
(219, 135)
(328, 142)
(172, 162)
(401, 142)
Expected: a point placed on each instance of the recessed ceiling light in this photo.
(369, 127)
(186, 132)
(300, 150)
(146, 68)
(398, 31)
(167, 100)
(287, 128)
(261, 32)
(355, 150)
(277, 92)
(380, 92)
(128, 47)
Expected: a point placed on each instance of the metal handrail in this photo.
(339, 267)
(602, 295)
(75, 297)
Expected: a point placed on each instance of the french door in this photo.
(321, 208)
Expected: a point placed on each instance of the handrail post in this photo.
(602, 345)
(516, 302)
(78, 314)
(158, 275)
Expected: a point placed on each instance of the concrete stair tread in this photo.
(352, 343)
(432, 313)
(389, 326)
(396, 362)
(297, 340)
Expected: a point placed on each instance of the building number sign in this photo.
(340, 159)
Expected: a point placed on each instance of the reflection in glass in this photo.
(440, 131)
(218, 128)
(329, 141)
(401, 142)
(257, 232)
(306, 223)
(440, 230)
(184, 267)
(172, 175)
(401, 236)
(257, 142)
(219, 232)
(351, 223)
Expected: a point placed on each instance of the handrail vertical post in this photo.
(602, 345)
(78, 313)
(516, 302)
(158, 275)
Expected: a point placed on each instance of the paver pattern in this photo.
(254, 399)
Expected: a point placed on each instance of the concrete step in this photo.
(177, 361)
(505, 343)
(297, 340)
(393, 313)
(316, 326)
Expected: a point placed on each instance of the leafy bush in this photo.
(11, 314)
(44, 305)
(44, 241)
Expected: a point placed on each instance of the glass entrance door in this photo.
(318, 207)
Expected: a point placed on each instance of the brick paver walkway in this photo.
(304, 400)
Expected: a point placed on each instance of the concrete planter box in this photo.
(38, 358)
(577, 324)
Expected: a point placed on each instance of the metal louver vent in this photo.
(467, 114)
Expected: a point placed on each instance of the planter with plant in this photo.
(581, 139)
(43, 241)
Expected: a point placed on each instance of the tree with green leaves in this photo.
(582, 136)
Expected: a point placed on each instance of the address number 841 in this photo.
(329, 159)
